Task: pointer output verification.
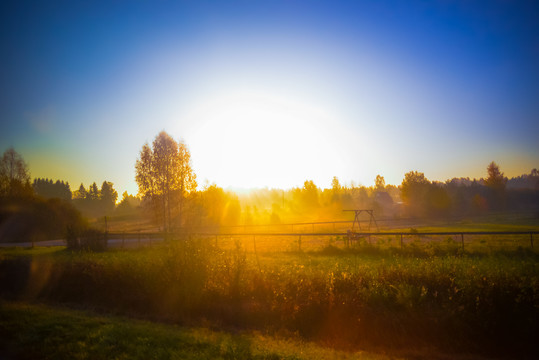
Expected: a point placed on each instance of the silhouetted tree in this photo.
(164, 175)
(495, 179)
(108, 196)
(525, 181)
(81, 193)
(49, 190)
(414, 189)
(93, 192)
(14, 175)
(496, 183)
(128, 203)
(64, 190)
(95, 202)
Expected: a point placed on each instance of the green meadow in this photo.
(416, 302)
(66, 333)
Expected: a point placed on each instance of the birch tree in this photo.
(165, 177)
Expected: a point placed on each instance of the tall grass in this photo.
(367, 298)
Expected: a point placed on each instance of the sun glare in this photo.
(255, 140)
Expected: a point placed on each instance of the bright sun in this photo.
(254, 140)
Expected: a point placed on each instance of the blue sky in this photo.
(271, 93)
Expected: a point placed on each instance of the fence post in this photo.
(123, 240)
(299, 243)
(462, 240)
(531, 239)
(256, 254)
(401, 242)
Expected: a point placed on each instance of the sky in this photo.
(271, 93)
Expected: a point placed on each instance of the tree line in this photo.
(26, 216)
(46, 209)
(168, 191)
(48, 189)
(96, 201)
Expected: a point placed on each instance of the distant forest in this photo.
(415, 197)
(174, 201)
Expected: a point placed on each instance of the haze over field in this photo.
(272, 93)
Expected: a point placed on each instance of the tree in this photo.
(438, 200)
(14, 175)
(379, 183)
(496, 183)
(336, 190)
(335, 184)
(128, 203)
(108, 196)
(49, 190)
(412, 183)
(186, 176)
(414, 189)
(93, 192)
(213, 202)
(232, 210)
(309, 195)
(495, 179)
(164, 176)
(80, 194)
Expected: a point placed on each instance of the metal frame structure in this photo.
(358, 212)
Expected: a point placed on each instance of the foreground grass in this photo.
(30, 331)
(366, 298)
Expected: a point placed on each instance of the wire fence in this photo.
(332, 226)
(303, 241)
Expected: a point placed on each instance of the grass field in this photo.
(37, 331)
(370, 298)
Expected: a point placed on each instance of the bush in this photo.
(34, 219)
(86, 239)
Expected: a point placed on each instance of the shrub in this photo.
(87, 239)
(34, 219)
